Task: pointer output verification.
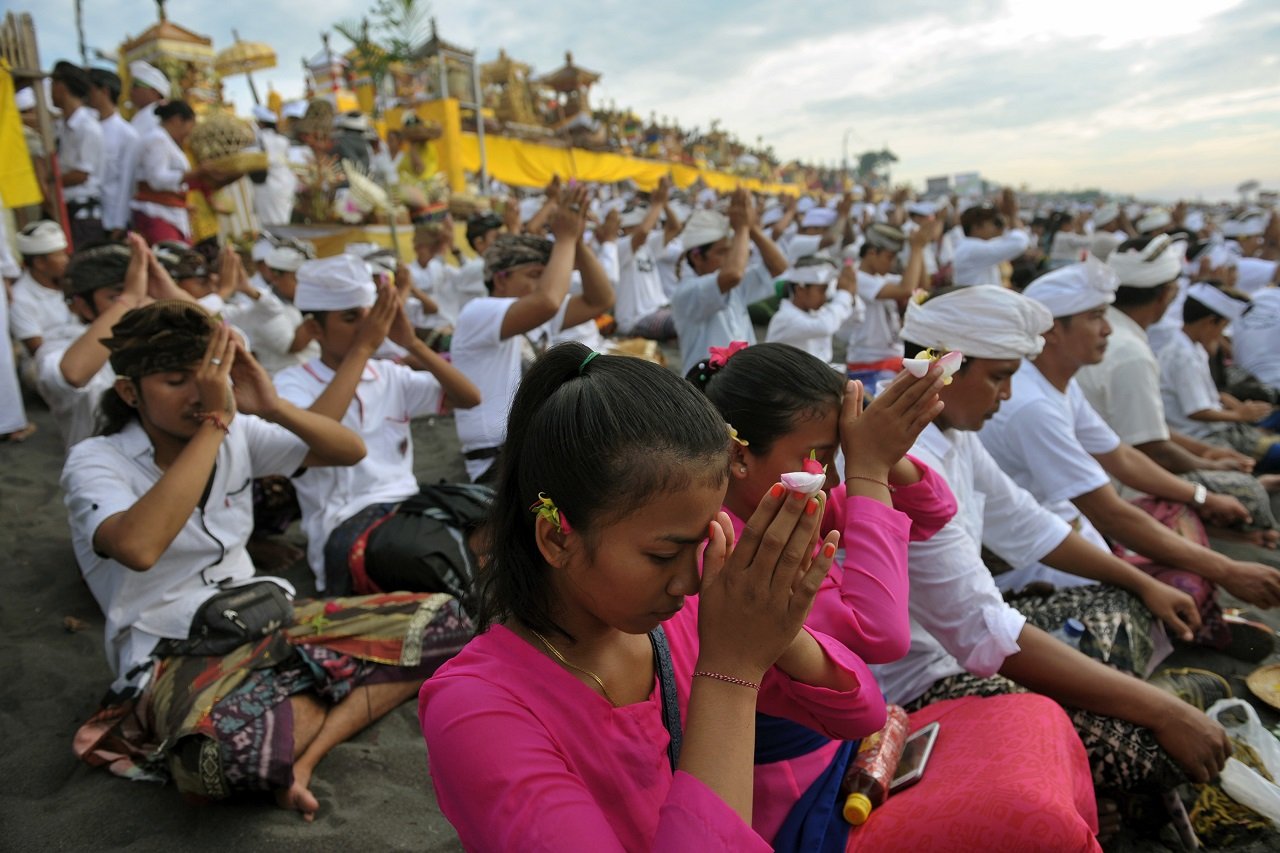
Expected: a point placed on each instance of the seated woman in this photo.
(1024, 757)
(220, 684)
(609, 701)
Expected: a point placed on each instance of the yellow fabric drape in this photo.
(18, 184)
(528, 164)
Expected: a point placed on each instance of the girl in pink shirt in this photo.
(609, 700)
(787, 407)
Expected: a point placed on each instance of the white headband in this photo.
(1217, 301)
(983, 321)
(1075, 288)
(1160, 262)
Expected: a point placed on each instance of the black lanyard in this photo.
(667, 684)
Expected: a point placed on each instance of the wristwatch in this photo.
(1200, 495)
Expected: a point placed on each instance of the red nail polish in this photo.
(829, 550)
(811, 508)
(776, 491)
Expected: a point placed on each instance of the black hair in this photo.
(181, 109)
(479, 226)
(975, 216)
(110, 81)
(764, 390)
(1194, 310)
(599, 438)
(114, 413)
(75, 78)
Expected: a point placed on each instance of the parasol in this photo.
(245, 57)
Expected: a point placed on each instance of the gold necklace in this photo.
(556, 654)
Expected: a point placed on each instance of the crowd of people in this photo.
(624, 631)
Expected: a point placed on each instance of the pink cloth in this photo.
(1008, 773)
(524, 756)
(863, 604)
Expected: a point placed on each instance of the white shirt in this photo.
(387, 398)
(74, 409)
(1125, 387)
(433, 280)
(80, 149)
(959, 620)
(1046, 441)
(144, 120)
(668, 262)
(1255, 334)
(876, 337)
(161, 164)
(273, 199)
(930, 250)
(107, 475)
(640, 290)
(706, 318)
(41, 312)
(119, 145)
(800, 245)
(810, 331)
(270, 326)
(1187, 387)
(978, 261)
(495, 365)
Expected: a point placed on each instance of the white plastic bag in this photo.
(1241, 782)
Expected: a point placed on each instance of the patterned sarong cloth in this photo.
(219, 724)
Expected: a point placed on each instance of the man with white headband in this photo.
(806, 319)
(376, 399)
(710, 309)
(874, 352)
(1192, 402)
(148, 89)
(993, 235)
(39, 311)
(1051, 443)
(1124, 388)
(642, 308)
(965, 639)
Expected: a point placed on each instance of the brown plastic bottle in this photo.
(866, 782)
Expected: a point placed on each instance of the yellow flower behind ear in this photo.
(919, 365)
(546, 508)
(733, 435)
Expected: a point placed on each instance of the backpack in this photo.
(422, 545)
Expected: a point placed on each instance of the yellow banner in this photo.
(18, 184)
(521, 163)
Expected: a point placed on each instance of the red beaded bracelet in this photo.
(213, 418)
(727, 679)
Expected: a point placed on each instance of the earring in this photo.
(742, 468)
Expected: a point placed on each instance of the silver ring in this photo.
(216, 362)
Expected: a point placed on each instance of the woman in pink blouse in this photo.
(787, 407)
(609, 701)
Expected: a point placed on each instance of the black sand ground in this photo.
(374, 791)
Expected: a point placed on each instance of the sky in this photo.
(1162, 100)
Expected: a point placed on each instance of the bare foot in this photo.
(298, 797)
(18, 436)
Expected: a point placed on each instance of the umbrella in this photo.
(244, 57)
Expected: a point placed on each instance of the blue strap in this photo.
(667, 684)
(816, 822)
(778, 739)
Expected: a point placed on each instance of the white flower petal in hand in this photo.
(804, 482)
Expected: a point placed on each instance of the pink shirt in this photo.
(524, 756)
(863, 604)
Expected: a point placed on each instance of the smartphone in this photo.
(915, 755)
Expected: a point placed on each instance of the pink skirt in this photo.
(1008, 773)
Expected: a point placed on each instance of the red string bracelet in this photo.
(727, 679)
(213, 418)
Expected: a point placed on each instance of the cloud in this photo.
(1022, 90)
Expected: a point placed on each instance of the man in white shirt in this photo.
(39, 311)
(1192, 403)
(148, 88)
(965, 639)
(1124, 389)
(710, 309)
(1054, 445)
(375, 400)
(806, 319)
(1254, 337)
(119, 145)
(273, 198)
(497, 336)
(992, 236)
(80, 155)
(642, 309)
(874, 351)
